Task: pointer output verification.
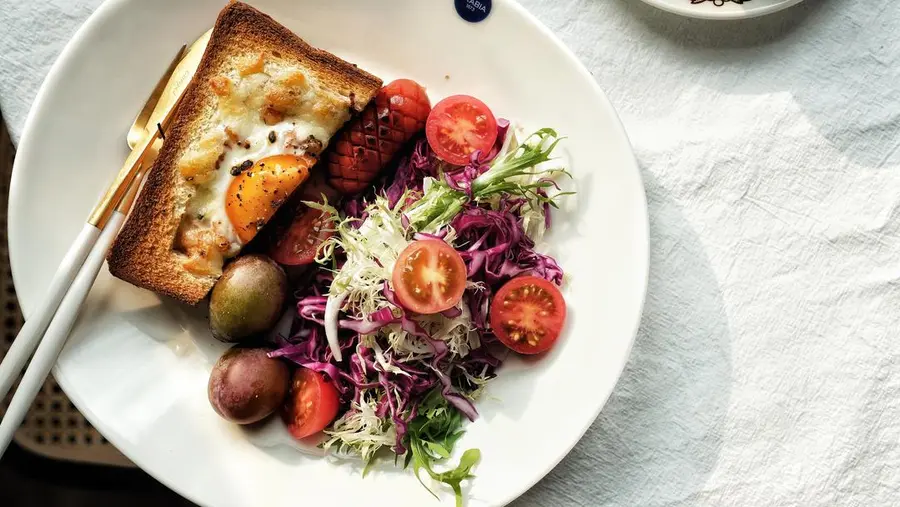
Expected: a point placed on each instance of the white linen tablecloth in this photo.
(766, 367)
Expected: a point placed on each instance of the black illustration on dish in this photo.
(719, 3)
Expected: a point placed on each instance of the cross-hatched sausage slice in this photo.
(372, 140)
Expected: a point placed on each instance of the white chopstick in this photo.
(34, 328)
(68, 290)
(55, 336)
(30, 334)
(49, 327)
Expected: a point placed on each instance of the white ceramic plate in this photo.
(723, 9)
(137, 365)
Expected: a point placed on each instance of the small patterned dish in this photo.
(722, 9)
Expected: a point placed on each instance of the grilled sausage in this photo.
(372, 140)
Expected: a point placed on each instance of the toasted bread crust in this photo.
(143, 252)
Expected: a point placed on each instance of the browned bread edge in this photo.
(142, 253)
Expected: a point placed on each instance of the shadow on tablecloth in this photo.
(835, 59)
(658, 438)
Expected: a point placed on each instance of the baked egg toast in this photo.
(260, 109)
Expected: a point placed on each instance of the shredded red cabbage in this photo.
(495, 247)
(359, 371)
(411, 172)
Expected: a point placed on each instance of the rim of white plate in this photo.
(707, 10)
(97, 18)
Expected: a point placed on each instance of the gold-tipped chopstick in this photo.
(49, 327)
(123, 181)
(157, 123)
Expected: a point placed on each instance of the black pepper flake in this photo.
(310, 145)
(200, 216)
(272, 136)
(238, 169)
(246, 145)
(238, 195)
(162, 135)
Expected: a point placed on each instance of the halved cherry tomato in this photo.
(527, 314)
(459, 125)
(429, 276)
(311, 405)
(299, 244)
(257, 192)
(315, 187)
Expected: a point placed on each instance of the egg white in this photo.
(238, 132)
(210, 197)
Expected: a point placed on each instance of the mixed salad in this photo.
(404, 295)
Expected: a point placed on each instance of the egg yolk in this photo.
(259, 190)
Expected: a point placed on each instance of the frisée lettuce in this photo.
(408, 380)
